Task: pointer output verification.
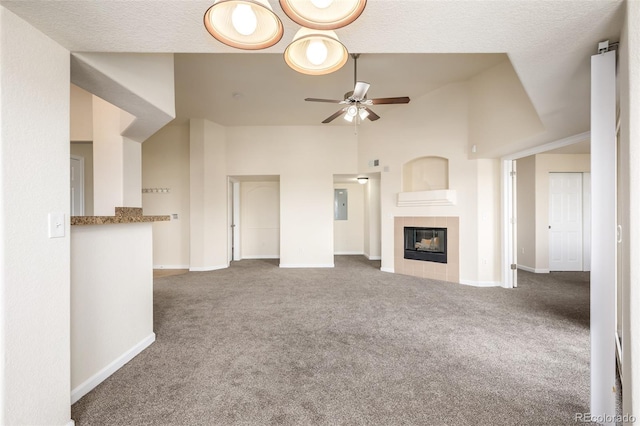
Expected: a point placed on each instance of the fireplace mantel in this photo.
(441, 197)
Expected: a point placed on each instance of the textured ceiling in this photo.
(548, 43)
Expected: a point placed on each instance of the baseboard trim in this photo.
(373, 257)
(348, 253)
(481, 283)
(207, 268)
(307, 265)
(71, 423)
(93, 381)
(170, 266)
(262, 256)
(390, 270)
(534, 270)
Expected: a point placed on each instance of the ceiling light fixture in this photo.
(244, 24)
(362, 180)
(323, 14)
(315, 52)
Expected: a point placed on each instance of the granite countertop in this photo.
(123, 215)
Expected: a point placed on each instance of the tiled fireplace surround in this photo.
(449, 271)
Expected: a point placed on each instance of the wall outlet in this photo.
(174, 216)
(522, 250)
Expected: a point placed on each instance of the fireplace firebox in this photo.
(428, 244)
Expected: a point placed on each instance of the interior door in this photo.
(565, 221)
(77, 185)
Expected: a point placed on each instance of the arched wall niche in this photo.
(429, 173)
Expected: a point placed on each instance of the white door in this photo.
(565, 221)
(77, 185)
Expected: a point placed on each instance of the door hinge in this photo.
(514, 267)
(512, 174)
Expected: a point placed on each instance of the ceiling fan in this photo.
(357, 104)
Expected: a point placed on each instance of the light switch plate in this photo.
(56, 225)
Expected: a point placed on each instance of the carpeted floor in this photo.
(259, 345)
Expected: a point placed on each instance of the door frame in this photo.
(509, 239)
(82, 206)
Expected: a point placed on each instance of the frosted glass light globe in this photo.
(317, 52)
(244, 19)
(322, 4)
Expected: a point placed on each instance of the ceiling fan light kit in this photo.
(323, 14)
(244, 24)
(315, 52)
(357, 103)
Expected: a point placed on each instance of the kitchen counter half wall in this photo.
(123, 215)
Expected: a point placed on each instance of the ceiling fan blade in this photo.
(372, 115)
(333, 101)
(360, 90)
(334, 116)
(381, 101)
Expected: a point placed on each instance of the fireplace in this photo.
(428, 244)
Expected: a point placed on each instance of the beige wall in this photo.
(305, 158)
(500, 111)
(165, 164)
(526, 213)
(545, 164)
(260, 220)
(116, 160)
(489, 231)
(348, 235)
(208, 222)
(85, 150)
(372, 249)
(34, 269)
(436, 124)
(81, 122)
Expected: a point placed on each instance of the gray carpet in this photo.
(259, 345)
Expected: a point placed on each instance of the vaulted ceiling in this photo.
(402, 41)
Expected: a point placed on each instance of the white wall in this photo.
(348, 235)
(305, 158)
(629, 83)
(165, 164)
(208, 196)
(112, 304)
(85, 150)
(34, 270)
(545, 164)
(260, 220)
(435, 124)
(526, 213)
